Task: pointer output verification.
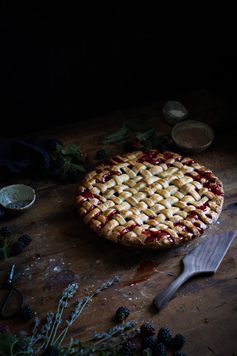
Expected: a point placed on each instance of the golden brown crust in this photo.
(150, 199)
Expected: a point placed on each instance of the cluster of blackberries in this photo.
(122, 313)
(150, 343)
(17, 247)
(158, 345)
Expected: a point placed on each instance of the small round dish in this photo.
(192, 136)
(174, 112)
(17, 198)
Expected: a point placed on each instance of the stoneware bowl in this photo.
(192, 136)
(17, 198)
(174, 112)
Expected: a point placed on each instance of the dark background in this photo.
(64, 64)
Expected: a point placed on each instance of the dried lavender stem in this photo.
(82, 305)
(67, 293)
(63, 334)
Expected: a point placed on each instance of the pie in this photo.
(150, 199)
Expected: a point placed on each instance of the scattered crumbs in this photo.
(52, 259)
(57, 269)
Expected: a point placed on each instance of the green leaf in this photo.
(72, 150)
(118, 135)
(77, 167)
(143, 136)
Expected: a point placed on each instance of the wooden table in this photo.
(63, 250)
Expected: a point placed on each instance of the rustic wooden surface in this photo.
(63, 250)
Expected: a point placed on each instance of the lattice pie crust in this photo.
(150, 199)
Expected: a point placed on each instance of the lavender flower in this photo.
(115, 330)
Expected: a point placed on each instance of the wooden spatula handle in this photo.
(162, 299)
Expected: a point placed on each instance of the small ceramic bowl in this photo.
(17, 198)
(192, 136)
(174, 111)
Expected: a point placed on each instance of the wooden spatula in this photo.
(203, 259)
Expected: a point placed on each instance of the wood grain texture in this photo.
(63, 250)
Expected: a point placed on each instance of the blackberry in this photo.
(101, 154)
(148, 342)
(20, 244)
(147, 329)
(25, 239)
(4, 329)
(2, 212)
(159, 350)
(122, 313)
(178, 353)
(128, 348)
(178, 342)
(51, 351)
(164, 336)
(6, 231)
(26, 312)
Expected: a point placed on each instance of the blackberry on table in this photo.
(164, 336)
(122, 313)
(26, 312)
(147, 329)
(148, 342)
(178, 342)
(51, 351)
(159, 349)
(178, 353)
(6, 231)
(20, 244)
(128, 348)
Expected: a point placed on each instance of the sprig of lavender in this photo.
(115, 330)
(68, 293)
(116, 336)
(79, 308)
